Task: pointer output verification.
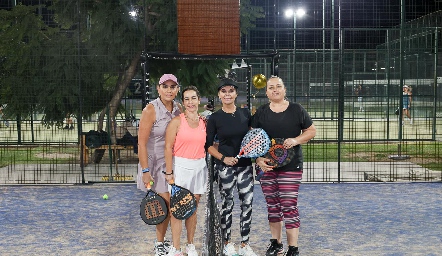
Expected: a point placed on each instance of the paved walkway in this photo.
(337, 219)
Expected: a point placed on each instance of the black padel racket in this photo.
(182, 202)
(153, 208)
(255, 143)
(278, 155)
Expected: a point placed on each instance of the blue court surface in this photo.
(337, 219)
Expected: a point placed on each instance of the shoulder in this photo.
(216, 114)
(175, 122)
(149, 110)
(295, 105)
(263, 107)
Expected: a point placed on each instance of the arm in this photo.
(304, 137)
(171, 132)
(147, 120)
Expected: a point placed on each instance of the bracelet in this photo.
(222, 158)
(145, 170)
(167, 173)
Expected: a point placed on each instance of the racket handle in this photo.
(149, 185)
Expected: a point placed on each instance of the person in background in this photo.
(151, 141)
(2, 116)
(283, 119)
(406, 103)
(208, 110)
(186, 163)
(360, 92)
(230, 124)
(69, 122)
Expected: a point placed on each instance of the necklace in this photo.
(231, 113)
(192, 119)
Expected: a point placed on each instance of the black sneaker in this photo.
(292, 251)
(274, 248)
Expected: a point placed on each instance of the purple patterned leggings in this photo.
(280, 189)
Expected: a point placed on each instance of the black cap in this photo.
(227, 82)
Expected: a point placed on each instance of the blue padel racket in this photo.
(153, 208)
(255, 143)
(182, 202)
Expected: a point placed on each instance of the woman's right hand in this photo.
(147, 178)
(262, 162)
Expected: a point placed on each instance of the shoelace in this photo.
(160, 248)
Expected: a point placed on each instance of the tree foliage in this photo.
(90, 52)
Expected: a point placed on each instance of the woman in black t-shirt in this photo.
(230, 124)
(290, 121)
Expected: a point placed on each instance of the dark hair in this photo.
(190, 88)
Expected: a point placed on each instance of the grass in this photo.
(54, 154)
(426, 154)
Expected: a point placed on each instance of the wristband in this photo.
(145, 170)
(222, 158)
(167, 173)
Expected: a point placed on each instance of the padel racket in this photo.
(182, 202)
(153, 208)
(278, 155)
(255, 143)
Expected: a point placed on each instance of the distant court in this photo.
(336, 219)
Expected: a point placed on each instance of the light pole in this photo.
(298, 13)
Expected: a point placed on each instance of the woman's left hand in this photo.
(290, 142)
(230, 161)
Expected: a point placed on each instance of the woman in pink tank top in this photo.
(185, 161)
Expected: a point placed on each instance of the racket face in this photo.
(153, 209)
(182, 203)
(279, 155)
(255, 143)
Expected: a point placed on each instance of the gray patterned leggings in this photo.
(242, 177)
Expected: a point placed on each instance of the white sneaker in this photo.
(174, 252)
(160, 249)
(229, 250)
(246, 251)
(190, 250)
(167, 244)
(411, 121)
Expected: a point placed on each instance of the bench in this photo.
(114, 148)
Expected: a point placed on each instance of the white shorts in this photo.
(191, 174)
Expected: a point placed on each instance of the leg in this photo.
(276, 230)
(269, 184)
(270, 189)
(407, 112)
(161, 228)
(191, 222)
(289, 186)
(227, 182)
(177, 227)
(245, 191)
(292, 236)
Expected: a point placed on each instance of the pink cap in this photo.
(167, 77)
